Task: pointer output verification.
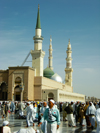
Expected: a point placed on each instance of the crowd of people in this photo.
(47, 115)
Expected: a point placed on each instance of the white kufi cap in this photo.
(5, 123)
(52, 101)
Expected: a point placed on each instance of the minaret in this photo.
(50, 54)
(37, 53)
(68, 69)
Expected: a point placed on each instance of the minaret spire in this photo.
(38, 31)
(50, 54)
(68, 69)
(38, 24)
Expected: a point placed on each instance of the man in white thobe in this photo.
(21, 108)
(97, 114)
(6, 129)
(91, 113)
(29, 116)
(44, 124)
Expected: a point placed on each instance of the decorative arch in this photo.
(18, 80)
(3, 90)
(50, 96)
(4, 83)
(17, 93)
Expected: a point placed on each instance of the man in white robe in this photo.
(21, 108)
(29, 116)
(97, 114)
(44, 124)
(33, 112)
(91, 113)
(6, 129)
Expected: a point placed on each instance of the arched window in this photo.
(3, 91)
(18, 80)
(50, 95)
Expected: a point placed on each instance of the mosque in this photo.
(33, 83)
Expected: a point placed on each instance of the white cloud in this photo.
(89, 70)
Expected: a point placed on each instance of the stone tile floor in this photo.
(16, 124)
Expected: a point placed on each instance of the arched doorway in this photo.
(17, 91)
(50, 96)
(3, 91)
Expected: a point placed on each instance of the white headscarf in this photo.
(91, 109)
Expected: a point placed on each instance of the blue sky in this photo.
(78, 20)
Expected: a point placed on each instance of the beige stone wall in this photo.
(67, 96)
(62, 96)
(4, 76)
(46, 92)
(25, 92)
(10, 85)
(42, 83)
(31, 84)
(37, 88)
(27, 76)
(3, 79)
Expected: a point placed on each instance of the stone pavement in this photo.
(16, 124)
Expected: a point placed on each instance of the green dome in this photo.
(48, 73)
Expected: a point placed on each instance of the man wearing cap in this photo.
(6, 129)
(52, 116)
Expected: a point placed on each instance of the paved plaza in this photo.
(16, 124)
